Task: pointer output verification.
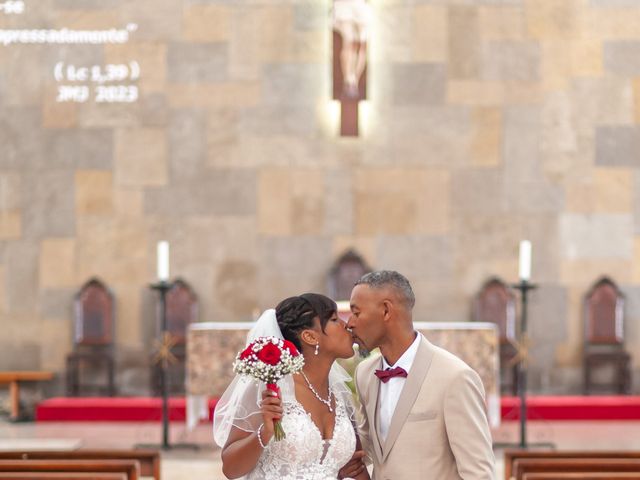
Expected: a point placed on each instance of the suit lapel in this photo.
(373, 395)
(412, 386)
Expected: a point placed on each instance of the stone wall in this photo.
(489, 121)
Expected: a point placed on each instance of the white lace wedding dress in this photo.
(303, 454)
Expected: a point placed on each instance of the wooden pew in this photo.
(62, 476)
(521, 466)
(129, 467)
(511, 455)
(13, 378)
(583, 476)
(149, 459)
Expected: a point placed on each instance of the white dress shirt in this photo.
(390, 391)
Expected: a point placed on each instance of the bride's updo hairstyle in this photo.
(295, 314)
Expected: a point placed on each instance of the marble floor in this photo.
(204, 463)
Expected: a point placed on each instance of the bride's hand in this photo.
(271, 411)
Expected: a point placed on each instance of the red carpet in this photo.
(111, 409)
(145, 409)
(573, 408)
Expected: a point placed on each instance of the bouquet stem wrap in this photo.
(278, 432)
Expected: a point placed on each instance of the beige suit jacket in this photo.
(439, 429)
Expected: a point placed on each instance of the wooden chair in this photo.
(93, 338)
(182, 310)
(344, 274)
(149, 460)
(130, 468)
(604, 338)
(511, 455)
(496, 303)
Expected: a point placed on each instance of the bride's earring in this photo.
(317, 348)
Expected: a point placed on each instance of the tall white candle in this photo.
(525, 260)
(163, 261)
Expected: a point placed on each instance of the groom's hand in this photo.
(354, 467)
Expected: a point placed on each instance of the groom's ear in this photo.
(387, 306)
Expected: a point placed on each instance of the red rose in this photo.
(291, 348)
(270, 354)
(246, 353)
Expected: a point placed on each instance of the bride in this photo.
(315, 406)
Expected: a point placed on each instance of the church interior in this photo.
(169, 169)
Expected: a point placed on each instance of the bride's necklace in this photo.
(326, 401)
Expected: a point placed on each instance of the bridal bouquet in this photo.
(269, 359)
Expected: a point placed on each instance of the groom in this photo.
(422, 409)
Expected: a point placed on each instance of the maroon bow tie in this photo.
(385, 375)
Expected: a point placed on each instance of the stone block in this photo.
(502, 22)
(478, 190)
(10, 191)
(636, 97)
(56, 304)
(584, 272)
(279, 121)
(49, 192)
(231, 94)
(290, 266)
(93, 115)
(622, 58)
(486, 143)
(206, 23)
(10, 224)
(430, 31)
(464, 43)
(610, 192)
(152, 61)
(57, 263)
(339, 218)
(85, 149)
(517, 61)
(474, 92)
(635, 274)
(187, 143)
(197, 62)
(521, 148)
(140, 157)
(213, 192)
(58, 115)
(618, 146)
(393, 27)
(612, 23)
(552, 19)
(597, 236)
(154, 110)
(22, 356)
(157, 21)
(115, 250)
(21, 137)
(604, 101)
(419, 84)
(291, 85)
(94, 192)
(21, 267)
(309, 16)
(418, 257)
(236, 288)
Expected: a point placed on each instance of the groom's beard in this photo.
(363, 352)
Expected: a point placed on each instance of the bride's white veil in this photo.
(239, 405)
